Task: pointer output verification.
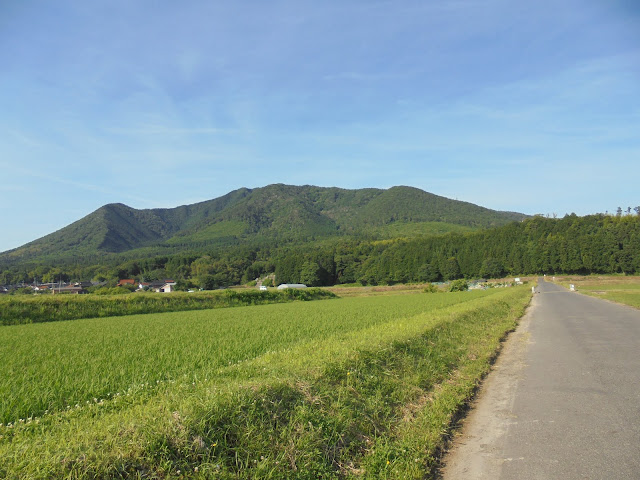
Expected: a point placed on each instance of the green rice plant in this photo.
(49, 367)
(364, 387)
(16, 310)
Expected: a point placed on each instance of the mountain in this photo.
(275, 212)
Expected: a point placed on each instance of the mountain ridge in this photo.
(277, 211)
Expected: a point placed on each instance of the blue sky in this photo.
(523, 106)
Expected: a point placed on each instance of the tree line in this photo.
(599, 244)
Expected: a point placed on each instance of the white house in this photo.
(168, 287)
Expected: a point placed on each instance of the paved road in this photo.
(563, 401)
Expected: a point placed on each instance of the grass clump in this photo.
(431, 288)
(460, 285)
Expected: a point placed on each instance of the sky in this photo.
(531, 107)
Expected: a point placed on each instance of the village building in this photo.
(68, 289)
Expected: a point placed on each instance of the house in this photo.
(67, 289)
(283, 286)
(155, 285)
(162, 286)
(168, 287)
(126, 281)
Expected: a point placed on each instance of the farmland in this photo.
(617, 288)
(359, 386)
(49, 308)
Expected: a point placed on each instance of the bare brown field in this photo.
(370, 291)
(405, 289)
(607, 282)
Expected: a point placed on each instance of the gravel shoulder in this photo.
(476, 451)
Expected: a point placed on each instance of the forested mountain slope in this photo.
(592, 244)
(276, 212)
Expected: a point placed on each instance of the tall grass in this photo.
(17, 310)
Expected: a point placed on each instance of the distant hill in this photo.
(275, 212)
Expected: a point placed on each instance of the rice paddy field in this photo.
(617, 288)
(357, 387)
(22, 309)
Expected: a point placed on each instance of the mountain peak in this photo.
(277, 211)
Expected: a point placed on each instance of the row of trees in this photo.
(594, 244)
(591, 244)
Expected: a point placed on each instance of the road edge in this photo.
(475, 450)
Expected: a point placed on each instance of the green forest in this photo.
(263, 216)
(594, 244)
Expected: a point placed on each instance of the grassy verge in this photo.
(372, 401)
(51, 308)
(617, 288)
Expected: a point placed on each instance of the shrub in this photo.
(459, 286)
(430, 288)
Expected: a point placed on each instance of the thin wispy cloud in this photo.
(155, 105)
(14, 171)
(168, 130)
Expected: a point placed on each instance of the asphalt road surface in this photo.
(563, 401)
